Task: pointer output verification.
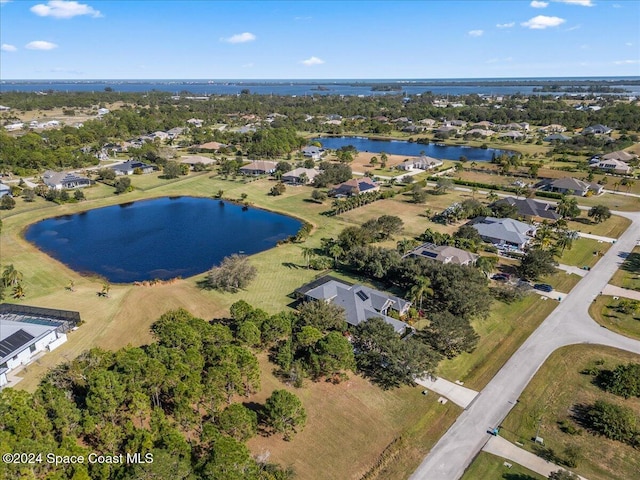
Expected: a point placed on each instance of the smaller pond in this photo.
(401, 147)
(162, 238)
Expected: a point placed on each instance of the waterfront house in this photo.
(64, 180)
(355, 186)
(130, 166)
(259, 167)
(300, 176)
(4, 190)
(312, 152)
(360, 303)
(421, 163)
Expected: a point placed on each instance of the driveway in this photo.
(568, 324)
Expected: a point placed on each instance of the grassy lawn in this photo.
(613, 227)
(551, 396)
(613, 201)
(507, 327)
(489, 467)
(628, 275)
(582, 252)
(604, 312)
(339, 439)
(561, 281)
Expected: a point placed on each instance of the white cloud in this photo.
(240, 38)
(582, 3)
(629, 44)
(536, 4)
(4, 1)
(476, 33)
(575, 27)
(506, 25)
(542, 21)
(626, 62)
(64, 9)
(312, 61)
(247, 65)
(8, 48)
(40, 45)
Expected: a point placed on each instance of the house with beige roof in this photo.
(443, 254)
(259, 167)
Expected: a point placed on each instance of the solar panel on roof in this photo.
(363, 296)
(14, 341)
(430, 254)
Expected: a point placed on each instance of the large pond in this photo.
(401, 147)
(158, 239)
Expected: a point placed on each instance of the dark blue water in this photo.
(162, 238)
(283, 87)
(400, 147)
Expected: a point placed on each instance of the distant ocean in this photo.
(498, 86)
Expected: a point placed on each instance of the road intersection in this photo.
(570, 323)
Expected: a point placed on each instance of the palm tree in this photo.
(474, 190)
(544, 236)
(307, 253)
(421, 289)
(336, 251)
(629, 184)
(18, 291)
(11, 276)
(492, 196)
(486, 264)
(565, 239)
(615, 186)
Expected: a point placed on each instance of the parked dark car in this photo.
(501, 277)
(543, 287)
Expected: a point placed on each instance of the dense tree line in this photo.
(173, 399)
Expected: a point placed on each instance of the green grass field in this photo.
(628, 275)
(613, 227)
(490, 467)
(551, 395)
(604, 311)
(507, 327)
(582, 252)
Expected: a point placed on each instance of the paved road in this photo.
(505, 449)
(568, 324)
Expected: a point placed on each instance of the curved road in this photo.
(568, 324)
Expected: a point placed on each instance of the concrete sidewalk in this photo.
(458, 394)
(597, 237)
(572, 269)
(621, 292)
(505, 449)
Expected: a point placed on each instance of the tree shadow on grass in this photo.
(517, 476)
(632, 263)
(292, 265)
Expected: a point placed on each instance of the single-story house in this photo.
(513, 134)
(195, 122)
(446, 129)
(429, 122)
(259, 167)
(300, 176)
(355, 186)
(193, 160)
(517, 126)
(422, 163)
(455, 123)
(211, 146)
(130, 166)
(553, 128)
(484, 124)
(570, 186)
(26, 332)
(556, 137)
(14, 126)
(174, 132)
(4, 190)
(359, 302)
(483, 132)
(531, 209)
(597, 130)
(313, 152)
(443, 254)
(102, 111)
(504, 231)
(64, 180)
(619, 155)
(612, 165)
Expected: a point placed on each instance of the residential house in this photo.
(64, 180)
(612, 165)
(14, 127)
(360, 303)
(480, 131)
(211, 146)
(570, 186)
(102, 111)
(300, 176)
(505, 232)
(556, 137)
(429, 122)
(130, 166)
(313, 152)
(193, 160)
(597, 130)
(259, 167)
(446, 129)
(4, 190)
(512, 134)
(531, 209)
(174, 132)
(553, 128)
(26, 332)
(516, 126)
(195, 122)
(355, 186)
(443, 254)
(421, 163)
(484, 124)
(619, 155)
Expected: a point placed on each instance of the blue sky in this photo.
(131, 39)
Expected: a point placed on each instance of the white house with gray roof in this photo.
(64, 180)
(504, 231)
(359, 302)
